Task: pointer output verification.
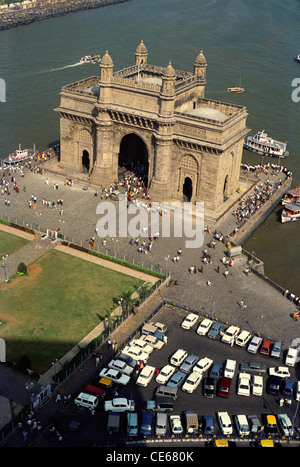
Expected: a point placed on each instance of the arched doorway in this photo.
(187, 189)
(85, 161)
(133, 157)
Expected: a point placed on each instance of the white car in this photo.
(141, 344)
(203, 365)
(242, 425)
(178, 357)
(298, 391)
(192, 382)
(230, 334)
(244, 384)
(136, 353)
(176, 425)
(225, 423)
(254, 344)
(229, 369)
(204, 327)
(243, 338)
(121, 366)
(189, 321)
(291, 356)
(281, 371)
(165, 374)
(257, 385)
(120, 404)
(115, 376)
(153, 341)
(145, 376)
(285, 424)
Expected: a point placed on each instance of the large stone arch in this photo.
(188, 176)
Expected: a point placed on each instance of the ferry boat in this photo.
(19, 155)
(93, 58)
(265, 145)
(292, 196)
(297, 59)
(290, 213)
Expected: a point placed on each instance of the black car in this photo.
(209, 387)
(254, 368)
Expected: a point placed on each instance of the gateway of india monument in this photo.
(156, 118)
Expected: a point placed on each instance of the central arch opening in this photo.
(85, 161)
(187, 189)
(133, 157)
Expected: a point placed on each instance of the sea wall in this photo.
(39, 11)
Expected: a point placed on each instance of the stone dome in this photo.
(106, 60)
(141, 49)
(169, 71)
(200, 59)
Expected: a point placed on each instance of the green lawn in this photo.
(10, 243)
(44, 314)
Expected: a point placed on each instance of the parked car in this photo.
(141, 344)
(255, 424)
(146, 424)
(242, 425)
(203, 365)
(189, 363)
(215, 330)
(152, 330)
(145, 376)
(192, 382)
(178, 357)
(121, 366)
(254, 344)
(165, 374)
(189, 321)
(153, 341)
(297, 396)
(285, 424)
(209, 387)
(291, 356)
(208, 426)
(224, 387)
(160, 327)
(243, 338)
(230, 334)
(244, 384)
(119, 404)
(127, 359)
(254, 368)
(274, 385)
(113, 423)
(176, 425)
(204, 326)
(225, 423)
(266, 347)
(288, 388)
(161, 424)
(176, 379)
(191, 421)
(216, 370)
(271, 427)
(281, 371)
(115, 376)
(136, 353)
(229, 368)
(276, 349)
(132, 424)
(257, 385)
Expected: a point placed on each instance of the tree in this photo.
(22, 269)
(128, 302)
(110, 319)
(144, 290)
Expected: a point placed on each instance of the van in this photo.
(291, 356)
(132, 424)
(160, 327)
(191, 421)
(100, 393)
(167, 391)
(113, 422)
(152, 331)
(86, 400)
(234, 251)
(160, 404)
(161, 424)
(178, 357)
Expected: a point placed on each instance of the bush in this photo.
(22, 268)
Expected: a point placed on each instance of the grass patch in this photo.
(52, 308)
(10, 243)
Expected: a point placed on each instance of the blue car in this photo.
(215, 330)
(176, 379)
(208, 426)
(288, 388)
(146, 425)
(216, 370)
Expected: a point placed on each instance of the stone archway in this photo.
(187, 189)
(134, 156)
(85, 161)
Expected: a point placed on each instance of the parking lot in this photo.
(93, 427)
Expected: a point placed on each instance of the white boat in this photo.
(19, 155)
(265, 145)
(297, 59)
(237, 89)
(292, 196)
(290, 213)
(93, 58)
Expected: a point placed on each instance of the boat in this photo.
(292, 196)
(237, 89)
(290, 213)
(19, 155)
(265, 145)
(93, 58)
(297, 59)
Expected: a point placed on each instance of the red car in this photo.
(266, 347)
(224, 387)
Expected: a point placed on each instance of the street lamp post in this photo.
(4, 265)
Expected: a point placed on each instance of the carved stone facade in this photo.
(159, 117)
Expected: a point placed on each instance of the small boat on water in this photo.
(93, 58)
(265, 145)
(290, 213)
(19, 155)
(297, 59)
(292, 196)
(237, 89)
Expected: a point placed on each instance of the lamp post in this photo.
(54, 366)
(261, 318)
(4, 265)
